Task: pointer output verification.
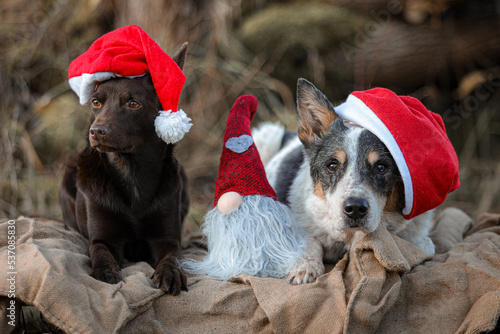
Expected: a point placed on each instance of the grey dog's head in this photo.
(356, 180)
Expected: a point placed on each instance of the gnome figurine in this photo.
(248, 230)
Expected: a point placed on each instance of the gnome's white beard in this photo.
(259, 238)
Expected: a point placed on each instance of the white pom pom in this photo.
(172, 126)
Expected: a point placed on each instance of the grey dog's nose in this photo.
(355, 207)
(98, 131)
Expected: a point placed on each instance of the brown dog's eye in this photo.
(96, 103)
(134, 105)
(381, 168)
(333, 166)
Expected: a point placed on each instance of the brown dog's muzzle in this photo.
(97, 133)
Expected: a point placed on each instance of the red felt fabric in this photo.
(129, 52)
(421, 136)
(241, 172)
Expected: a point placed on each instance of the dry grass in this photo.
(35, 136)
(41, 121)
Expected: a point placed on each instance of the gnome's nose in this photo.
(229, 202)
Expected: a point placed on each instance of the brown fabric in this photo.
(384, 285)
(453, 224)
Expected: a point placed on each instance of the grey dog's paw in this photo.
(306, 271)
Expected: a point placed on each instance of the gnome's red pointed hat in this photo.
(240, 168)
(130, 52)
(417, 140)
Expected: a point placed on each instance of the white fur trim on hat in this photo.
(84, 84)
(356, 111)
(172, 126)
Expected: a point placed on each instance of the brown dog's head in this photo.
(124, 112)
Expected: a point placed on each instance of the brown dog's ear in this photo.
(315, 112)
(180, 55)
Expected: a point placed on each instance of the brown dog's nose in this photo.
(355, 207)
(98, 131)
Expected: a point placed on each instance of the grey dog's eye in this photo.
(381, 168)
(333, 166)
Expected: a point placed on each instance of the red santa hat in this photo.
(416, 139)
(130, 52)
(240, 168)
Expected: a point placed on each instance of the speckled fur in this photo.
(316, 195)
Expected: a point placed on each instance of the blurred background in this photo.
(444, 52)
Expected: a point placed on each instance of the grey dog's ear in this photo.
(180, 55)
(315, 112)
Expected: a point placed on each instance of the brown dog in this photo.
(125, 191)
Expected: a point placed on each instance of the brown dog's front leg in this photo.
(168, 276)
(104, 266)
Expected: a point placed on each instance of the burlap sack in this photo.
(384, 285)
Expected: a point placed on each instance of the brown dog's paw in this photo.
(109, 274)
(305, 272)
(169, 278)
